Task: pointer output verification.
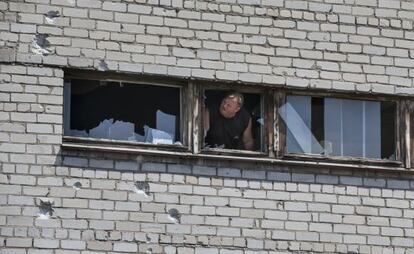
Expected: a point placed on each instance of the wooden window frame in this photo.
(400, 151)
(266, 101)
(274, 130)
(185, 99)
(408, 113)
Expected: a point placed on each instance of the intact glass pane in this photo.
(297, 113)
(352, 128)
(339, 127)
(333, 127)
(124, 111)
(299, 117)
(372, 132)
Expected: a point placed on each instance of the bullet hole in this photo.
(280, 205)
(40, 44)
(77, 186)
(174, 215)
(41, 40)
(142, 187)
(149, 250)
(51, 16)
(45, 209)
(102, 66)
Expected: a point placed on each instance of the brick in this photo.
(23, 28)
(73, 244)
(46, 243)
(151, 20)
(15, 148)
(19, 242)
(24, 180)
(22, 7)
(75, 224)
(113, 6)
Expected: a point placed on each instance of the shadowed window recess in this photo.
(242, 131)
(339, 127)
(123, 111)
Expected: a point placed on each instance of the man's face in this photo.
(229, 106)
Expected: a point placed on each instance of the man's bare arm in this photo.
(248, 141)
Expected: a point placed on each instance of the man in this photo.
(228, 125)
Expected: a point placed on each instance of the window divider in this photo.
(186, 113)
(407, 138)
(279, 127)
(270, 123)
(407, 111)
(401, 129)
(66, 107)
(410, 131)
(196, 112)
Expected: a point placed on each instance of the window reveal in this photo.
(339, 127)
(125, 111)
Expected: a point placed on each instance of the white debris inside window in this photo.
(125, 111)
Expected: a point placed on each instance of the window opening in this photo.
(233, 120)
(125, 111)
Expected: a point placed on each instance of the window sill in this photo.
(231, 152)
(344, 160)
(240, 158)
(124, 144)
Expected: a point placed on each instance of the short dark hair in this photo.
(240, 97)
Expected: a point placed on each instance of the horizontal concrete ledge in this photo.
(214, 157)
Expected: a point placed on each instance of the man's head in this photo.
(231, 104)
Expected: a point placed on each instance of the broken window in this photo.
(123, 111)
(248, 121)
(339, 127)
(233, 120)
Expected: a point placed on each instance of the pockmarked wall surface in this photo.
(56, 200)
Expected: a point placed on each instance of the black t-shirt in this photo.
(227, 132)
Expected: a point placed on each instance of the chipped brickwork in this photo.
(362, 45)
(55, 201)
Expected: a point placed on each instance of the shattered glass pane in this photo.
(339, 127)
(125, 111)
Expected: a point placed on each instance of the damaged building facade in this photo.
(102, 126)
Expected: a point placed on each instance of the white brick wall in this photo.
(350, 32)
(365, 46)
